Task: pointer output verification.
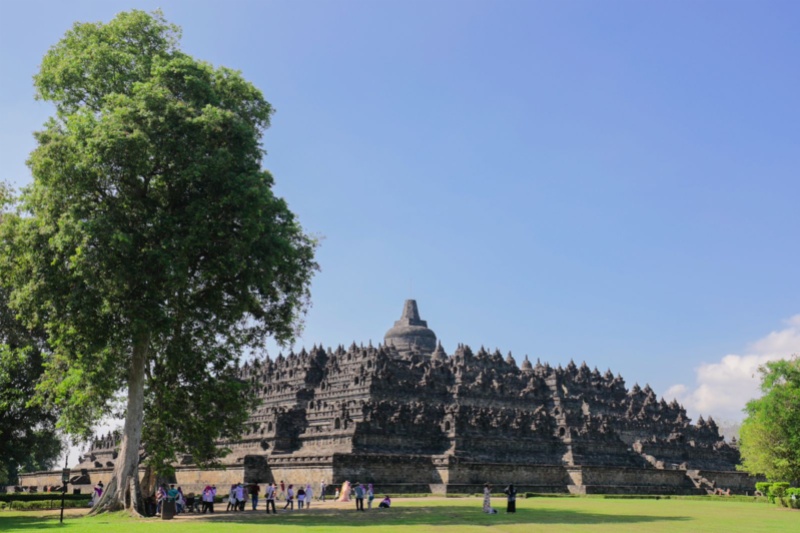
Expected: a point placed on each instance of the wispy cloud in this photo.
(723, 388)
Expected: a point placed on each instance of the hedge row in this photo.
(39, 496)
(43, 504)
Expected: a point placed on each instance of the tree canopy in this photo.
(770, 435)
(150, 247)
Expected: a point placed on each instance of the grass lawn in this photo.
(457, 515)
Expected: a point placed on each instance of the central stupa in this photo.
(410, 333)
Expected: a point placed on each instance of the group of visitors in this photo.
(303, 495)
(511, 499)
(359, 493)
(166, 494)
(184, 503)
(238, 496)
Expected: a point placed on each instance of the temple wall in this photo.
(537, 478)
(738, 482)
(615, 480)
(389, 469)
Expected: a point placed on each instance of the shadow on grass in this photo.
(19, 523)
(438, 515)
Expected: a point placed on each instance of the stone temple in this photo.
(412, 418)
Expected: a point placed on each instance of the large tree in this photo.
(150, 247)
(770, 435)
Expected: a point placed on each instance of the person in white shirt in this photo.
(289, 498)
(271, 498)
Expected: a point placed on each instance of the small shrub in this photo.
(793, 498)
(763, 487)
(778, 492)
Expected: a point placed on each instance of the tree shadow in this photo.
(22, 523)
(435, 515)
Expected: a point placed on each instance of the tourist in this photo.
(162, 497)
(232, 503)
(283, 491)
(289, 498)
(97, 491)
(322, 490)
(344, 494)
(487, 499)
(271, 488)
(180, 502)
(336, 494)
(370, 495)
(511, 493)
(241, 496)
(309, 495)
(254, 490)
(386, 503)
(208, 498)
(359, 497)
(301, 497)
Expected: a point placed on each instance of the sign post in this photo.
(64, 482)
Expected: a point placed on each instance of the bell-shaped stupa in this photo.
(410, 333)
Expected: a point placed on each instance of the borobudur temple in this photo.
(410, 418)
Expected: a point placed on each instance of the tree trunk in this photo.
(123, 490)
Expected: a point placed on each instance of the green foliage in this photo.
(28, 438)
(151, 222)
(770, 435)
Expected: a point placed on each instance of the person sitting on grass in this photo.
(386, 503)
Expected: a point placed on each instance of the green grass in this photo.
(456, 515)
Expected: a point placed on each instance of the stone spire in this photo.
(411, 315)
(439, 354)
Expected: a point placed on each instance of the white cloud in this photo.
(723, 388)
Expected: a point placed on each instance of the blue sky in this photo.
(613, 182)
